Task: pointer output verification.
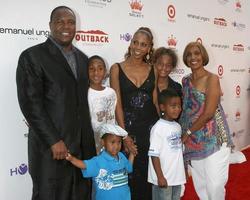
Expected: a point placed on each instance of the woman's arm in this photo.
(155, 95)
(114, 83)
(213, 92)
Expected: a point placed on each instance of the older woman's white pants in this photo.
(210, 175)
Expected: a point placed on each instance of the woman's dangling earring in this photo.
(148, 56)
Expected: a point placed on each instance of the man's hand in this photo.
(59, 150)
(129, 145)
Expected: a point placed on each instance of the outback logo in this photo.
(238, 26)
(172, 42)
(92, 37)
(220, 70)
(238, 6)
(220, 22)
(238, 47)
(136, 9)
(32, 33)
(126, 37)
(171, 13)
(237, 90)
(220, 46)
(223, 1)
(19, 170)
(98, 3)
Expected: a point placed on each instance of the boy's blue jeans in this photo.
(166, 193)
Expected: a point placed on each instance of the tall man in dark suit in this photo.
(52, 89)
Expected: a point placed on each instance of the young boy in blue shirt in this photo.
(110, 168)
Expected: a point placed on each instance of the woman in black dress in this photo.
(134, 81)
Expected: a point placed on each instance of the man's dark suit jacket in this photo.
(55, 106)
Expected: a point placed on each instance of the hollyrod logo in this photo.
(171, 13)
(238, 26)
(238, 47)
(92, 37)
(178, 71)
(127, 37)
(172, 42)
(220, 22)
(237, 90)
(220, 70)
(136, 7)
(19, 170)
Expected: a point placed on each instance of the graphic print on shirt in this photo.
(174, 140)
(104, 109)
(106, 181)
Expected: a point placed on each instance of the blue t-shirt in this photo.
(110, 176)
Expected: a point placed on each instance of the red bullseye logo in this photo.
(220, 70)
(171, 11)
(238, 90)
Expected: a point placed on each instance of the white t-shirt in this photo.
(102, 105)
(165, 143)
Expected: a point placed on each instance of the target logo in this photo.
(220, 70)
(237, 90)
(171, 13)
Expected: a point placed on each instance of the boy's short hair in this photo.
(98, 58)
(167, 94)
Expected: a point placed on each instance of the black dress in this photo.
(173, 85)
(139, 115)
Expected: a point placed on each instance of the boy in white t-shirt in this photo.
(101, 99)
(166, 167)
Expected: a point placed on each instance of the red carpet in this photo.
(238, 185)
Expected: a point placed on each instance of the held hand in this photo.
(59, 150)
(162, 182)
(130, 146)
(69, 157)
(184, 138)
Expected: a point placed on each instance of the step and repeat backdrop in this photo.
(105, 27)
